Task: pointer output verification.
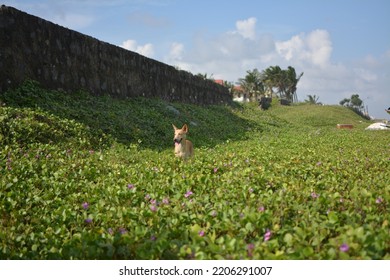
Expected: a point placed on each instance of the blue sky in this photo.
(342, 46)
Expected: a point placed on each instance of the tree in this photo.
(312, 99)
(252, 84)
(353, 102)
(291, 83)
(356, 102)
(284, 82)
(345, 102)
(271, 78)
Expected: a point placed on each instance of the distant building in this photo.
(220, 82)
(239, 94)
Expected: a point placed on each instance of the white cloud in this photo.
(319, 46)
(228, 55)
(176, 51)
(314, 48)
(247, 28)
(132, 45)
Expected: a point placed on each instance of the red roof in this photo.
(238, 88)
(219, 82)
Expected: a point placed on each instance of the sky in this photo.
(341, 46)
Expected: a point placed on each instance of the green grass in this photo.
(319, 116)
(287, 171)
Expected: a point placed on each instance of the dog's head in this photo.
(180, 134)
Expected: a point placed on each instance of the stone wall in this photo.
(59, 58)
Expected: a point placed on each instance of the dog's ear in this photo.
(185, 128)
(174, 127)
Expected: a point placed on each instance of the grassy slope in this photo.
(143, 121)
(149, 121)
(84, 148)
(319, 116)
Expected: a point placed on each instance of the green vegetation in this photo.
(86, 177)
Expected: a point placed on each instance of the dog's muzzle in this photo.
(177, 141)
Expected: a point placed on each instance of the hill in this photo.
(85, 177)
(319, 115)
(148, 121)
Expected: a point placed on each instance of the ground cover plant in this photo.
(85, 177)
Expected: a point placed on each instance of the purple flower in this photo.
(85, 205)
(165, 201)
(188, 194)
(319, 163)
(214, 213)
(130, 186)
(110, 231)
(153, 201)
(88, 221)
(251, 190)
(153, 208)
(344, 247)
(267, 235)
(147, 197)
(153, 238)
(261, 209)
(314, 195)
(379, 200)
(201, 233)
(215, 169)
(122, 230)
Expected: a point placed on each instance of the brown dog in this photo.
(183, 147)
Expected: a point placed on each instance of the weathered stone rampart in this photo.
(60, 58)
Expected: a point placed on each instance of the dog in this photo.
(183, 147)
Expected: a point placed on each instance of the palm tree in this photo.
(252, 84)
(291, 83)
(283, 81)
(313, 99)
(271, 78)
